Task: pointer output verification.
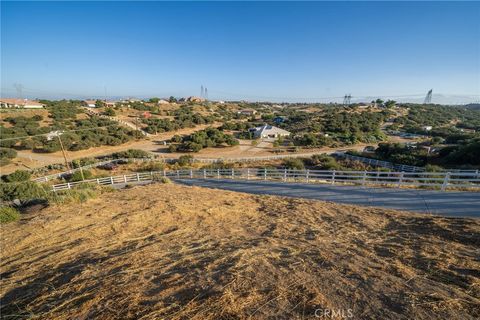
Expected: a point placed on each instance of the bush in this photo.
(294, 163)
(78, 195)
(151, 166)
(25, 190)
(165, 180)
(77, 176)
(17, 176)
(6, 154)
(324, 162)
(8, 214)
(131, 153)
(185, 160)
(109, 112)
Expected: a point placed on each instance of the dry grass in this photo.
(176, 252)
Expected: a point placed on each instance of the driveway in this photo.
(450, 203)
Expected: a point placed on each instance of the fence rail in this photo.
(439, 180)
(393, 166)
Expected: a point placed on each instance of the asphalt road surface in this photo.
(449, 203)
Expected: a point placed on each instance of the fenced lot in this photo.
(432, 180)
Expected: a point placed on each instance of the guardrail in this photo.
(441, 180)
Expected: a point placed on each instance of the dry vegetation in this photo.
(175, 252)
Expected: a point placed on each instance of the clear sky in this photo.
(279, 51)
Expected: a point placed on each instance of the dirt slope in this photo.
(175, 252)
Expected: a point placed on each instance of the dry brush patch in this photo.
(176, 252)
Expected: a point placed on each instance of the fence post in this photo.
(248, 173)
(307, 175)
(68, 185)
(164, 173)
(111, 180)
(233, 173)
(400, 180)
(364, 179)
(204, 174)
(178, 174)
(191, 173)
(218, 173)
(124, 178)
(265, 174)
(98, 181)
(285, 174)
(138, 176)
(333, 177)
(445, 181)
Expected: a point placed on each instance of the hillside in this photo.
(176, 252)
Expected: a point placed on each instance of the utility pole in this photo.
(64, 153)
(136, 128)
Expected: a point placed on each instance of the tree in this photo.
(172, 99)
(99, 103)
(390, 103)
(109, 112)
(154, 100)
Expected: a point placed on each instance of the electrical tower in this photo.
(202, 92)
(346, 99)
(206, 93)
(19, 88)
(428, 98)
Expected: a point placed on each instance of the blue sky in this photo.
(279, 51)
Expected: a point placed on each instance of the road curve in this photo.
(450, 203)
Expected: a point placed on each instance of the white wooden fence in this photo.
(440, 180)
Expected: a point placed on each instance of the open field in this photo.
(177, 252)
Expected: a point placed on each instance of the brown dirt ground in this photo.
(176, 252)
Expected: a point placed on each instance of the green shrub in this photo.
(81, 193)
(185, 160)
(25, 190)
(8, 214)
(165, 180)
(131, 153)
(17, 176)
(294, 163)
(151, 166)
(77, 176)
(6, 154)
(324, 162)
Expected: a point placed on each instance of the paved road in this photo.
(457, 204)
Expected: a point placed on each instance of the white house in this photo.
(90, 103)
(427, 128)
(267, 131)
(20, 103)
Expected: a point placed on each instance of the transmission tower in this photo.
(428, 98)
(19, 88)
(346, 99)
(201, 91)
(206, 93)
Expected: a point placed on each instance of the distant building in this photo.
(427, 128)
(247, 112)
(20, 103)
(110, 104)
(161, 101)
(268, 131)
(90, 103)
